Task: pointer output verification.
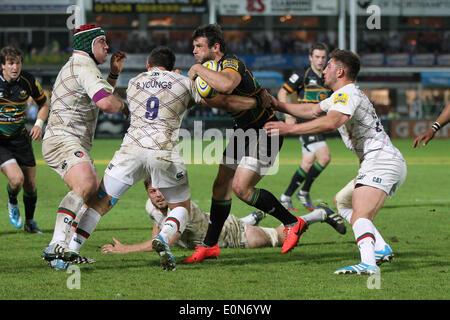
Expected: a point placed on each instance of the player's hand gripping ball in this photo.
(203, 88)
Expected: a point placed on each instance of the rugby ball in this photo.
(203, 88)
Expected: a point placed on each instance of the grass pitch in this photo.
(415, 222)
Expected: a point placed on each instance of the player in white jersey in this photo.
(236, 233)
(158, 100)
(382, 167)
(78, 94)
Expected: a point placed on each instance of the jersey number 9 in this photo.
(152, 108)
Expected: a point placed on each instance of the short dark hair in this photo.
(147, 182)
(162, 56)
(10, 51)
(318, 46)
(350, 61)
(212, 32)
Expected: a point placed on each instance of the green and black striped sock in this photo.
(12, 194)
(266, 201)
(296, 181)
(313, 173)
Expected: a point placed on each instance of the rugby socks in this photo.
(365, 239)
(266, 202)
(313, 173)
(29, 201)
(296, 181)
(318, 215)
(86, 226)
(12, 194)
(220, 209)
(347, 213)
(175, 222)
(67, 212)
(73, 227)
(249, 220)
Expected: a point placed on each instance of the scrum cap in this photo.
(84, 37)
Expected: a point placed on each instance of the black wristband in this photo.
(113, 76)
(436, 126)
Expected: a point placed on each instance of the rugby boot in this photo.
(292, 235)
(202, 253)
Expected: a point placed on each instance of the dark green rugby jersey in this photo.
(13, 101)
(310, 88)
(248, 87)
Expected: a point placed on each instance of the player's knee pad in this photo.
(179, 215)
(343, 198)
(109, 200)
(113, 187)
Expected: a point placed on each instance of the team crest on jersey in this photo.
(341, 98)
(180, 175)
(323, 95)
(23, 94)
(79, 154)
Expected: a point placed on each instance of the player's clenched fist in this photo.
(117, 61)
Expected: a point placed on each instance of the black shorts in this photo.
(17, 147)
(252, 149)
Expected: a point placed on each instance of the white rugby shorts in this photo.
(131, 164)
(63, 152)
(385, 174)
(313, 147)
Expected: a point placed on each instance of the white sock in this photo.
(175, 222)
(249, 220)
(284, 198)
(365, 239)
(70, 232)
(85, 227)
(317, 215)
(347, 213)
(68, 208)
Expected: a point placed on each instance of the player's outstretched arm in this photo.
(120, 248)
(300, 110)
(282, 96)
(146, 246)
(328, 123)
(428, 135)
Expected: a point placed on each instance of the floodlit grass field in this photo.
(415, 222)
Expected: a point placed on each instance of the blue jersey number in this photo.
(152, 108)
